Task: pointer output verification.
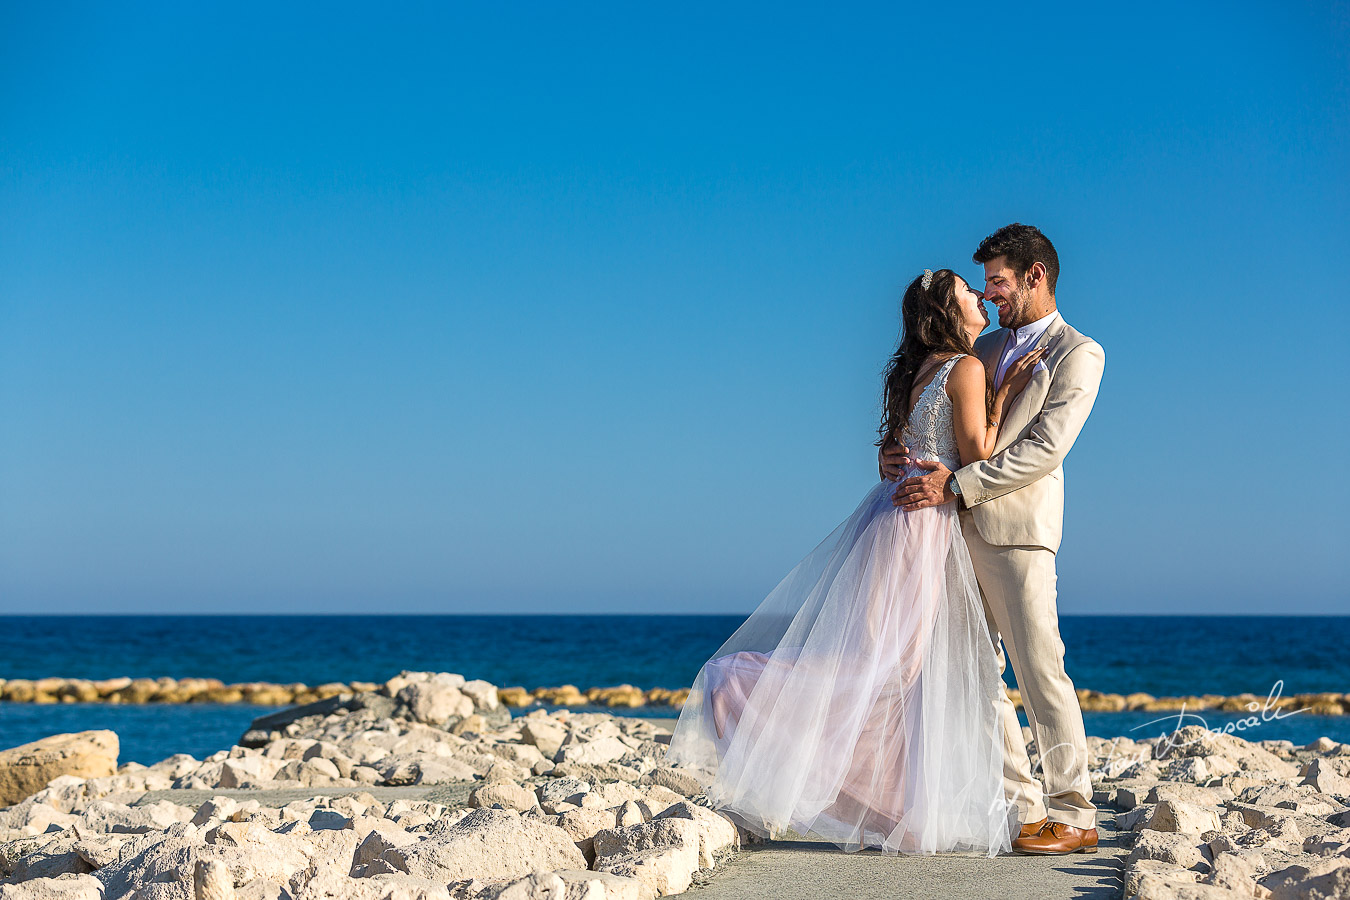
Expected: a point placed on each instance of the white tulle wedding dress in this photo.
(857, 702)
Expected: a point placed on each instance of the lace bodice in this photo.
(928, 433)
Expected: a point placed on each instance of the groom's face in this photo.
(1004, 289)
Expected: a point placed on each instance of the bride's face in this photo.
(972, 307)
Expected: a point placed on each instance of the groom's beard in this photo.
(1011, 316)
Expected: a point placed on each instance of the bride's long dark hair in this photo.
(931, 322)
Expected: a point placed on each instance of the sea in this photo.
(1159, 655)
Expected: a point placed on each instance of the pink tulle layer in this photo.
(857, 702)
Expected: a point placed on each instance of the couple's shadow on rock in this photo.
(1107, 883)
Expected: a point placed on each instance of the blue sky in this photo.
(534, 308)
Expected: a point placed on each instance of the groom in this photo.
(1012, 512)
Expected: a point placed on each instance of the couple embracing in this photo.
(863, 700)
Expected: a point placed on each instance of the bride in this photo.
(857, 703)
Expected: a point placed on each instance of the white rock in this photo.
(661, 797)
(1327, 879)
(561, 790)
(379, 839)
(67, 793)
(1180, 850)
(716, 833)
(545, 733)
(678, 781)
(176, 766)
(1136, 818)
(537, 886)
(487, 843)
(434, 703)
(1236, 872)
(1188, 793)
(114, 818)
(364, 775)
(664, 854)
(1193, 769)
(507, 793)
(1170, 887)
(1251, 759)
(101, 850)
(1137, 870)
(250, 853)
(1187, 818)
(587, 885)
(632, 813)
(27, 769)
(583, 824)
(41, 818)
(328, 820)
(613, 793)
(524, 755)
(603, 750)
(248, 771)
(312, 772)
(218, 808)
(449, 679)
(398, 770)
(64, 887)
(483, 694)
(1328, 776)
(211, 881)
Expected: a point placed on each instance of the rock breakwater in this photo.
(211, 690)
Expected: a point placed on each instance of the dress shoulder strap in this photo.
(939, 380)
(944, 371)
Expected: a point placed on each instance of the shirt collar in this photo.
(1035, 329)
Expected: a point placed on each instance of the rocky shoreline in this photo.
(428, 787)
(137, 691)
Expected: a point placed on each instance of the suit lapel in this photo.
(1028, 403)
(991, 348)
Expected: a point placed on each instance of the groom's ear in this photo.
(1036, 275)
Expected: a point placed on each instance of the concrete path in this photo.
(806, 870)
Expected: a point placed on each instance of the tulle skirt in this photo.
(858, 702)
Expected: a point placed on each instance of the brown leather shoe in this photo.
(1056, 838)
(1030, 829)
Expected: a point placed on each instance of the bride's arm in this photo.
(976, 430)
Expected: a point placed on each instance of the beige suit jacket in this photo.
(1017, 495)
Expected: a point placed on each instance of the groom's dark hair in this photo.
(1023, 246)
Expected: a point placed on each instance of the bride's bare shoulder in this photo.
(967, 377)
(968, 366)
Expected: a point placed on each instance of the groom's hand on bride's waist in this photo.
(892, 459)
(928, 489)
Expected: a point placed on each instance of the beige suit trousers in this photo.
(1017, 585)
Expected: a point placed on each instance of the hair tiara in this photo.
(927, 279)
